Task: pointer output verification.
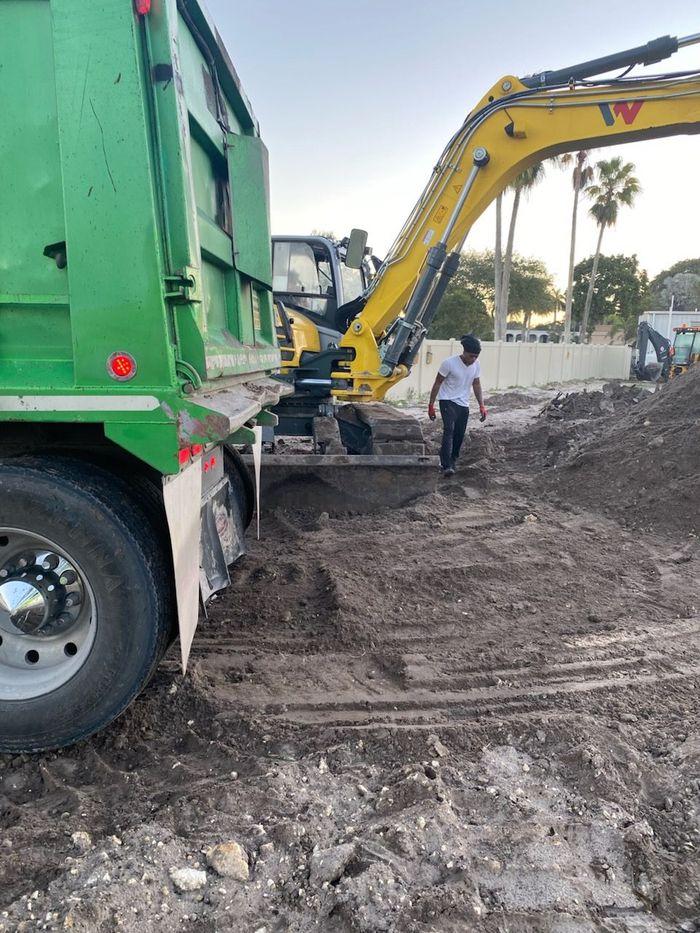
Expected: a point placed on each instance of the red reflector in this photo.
(183, 456)
(206, 467)
(196, 449)
(121, 366)
(142, 6)
(212, 462)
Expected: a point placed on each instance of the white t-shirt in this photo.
(458, 380)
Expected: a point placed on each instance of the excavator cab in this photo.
(686, 349)
(316, 276)
(319, 285)
(316, 283)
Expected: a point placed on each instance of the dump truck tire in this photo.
(84, 601)
(242, 483)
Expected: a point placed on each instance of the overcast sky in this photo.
(356, 101)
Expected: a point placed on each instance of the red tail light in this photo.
(142, 7)
(121, 366)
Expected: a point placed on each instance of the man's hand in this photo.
(431, 412)
(482, 413)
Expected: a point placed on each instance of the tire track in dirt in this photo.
(482, 699)
(541, 695)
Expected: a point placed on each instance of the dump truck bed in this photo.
(134, 227)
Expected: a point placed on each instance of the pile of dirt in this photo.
(477, 712)
(514, 399)
(643, 466)
(614, 398)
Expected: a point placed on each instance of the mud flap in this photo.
(257, 461)
(206, 535)
(182, 496)
(222, 541)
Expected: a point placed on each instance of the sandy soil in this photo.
(479, 712)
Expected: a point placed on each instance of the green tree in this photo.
(471, 294)
(684, 265)
(531, 289)
(475, 274)
(581, 177)
(559, 298)
(461, 312)
(615, 186)
(621, 291)
(680, 283)
(469, 297)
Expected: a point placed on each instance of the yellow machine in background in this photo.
(350, 327)
(686, 349)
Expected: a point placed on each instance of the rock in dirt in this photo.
(188, 879)
(436, 745)
(230, 860)
(81, 840)
(329, 864)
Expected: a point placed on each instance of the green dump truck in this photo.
(136, 345)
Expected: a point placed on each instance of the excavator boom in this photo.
(519, 122)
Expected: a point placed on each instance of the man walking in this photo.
(455, 379)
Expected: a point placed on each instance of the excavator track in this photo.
(376, 428)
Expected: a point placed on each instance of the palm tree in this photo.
(581, 177)
(559, 300)
(525, 182)
(615, 187)
(499, 323)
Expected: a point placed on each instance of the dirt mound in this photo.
(513, 400)
(475, 713)
(614, 398)
(643, 465)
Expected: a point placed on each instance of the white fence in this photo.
(504, 365)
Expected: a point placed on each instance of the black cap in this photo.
(470, 343)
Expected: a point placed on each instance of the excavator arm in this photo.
(662, 348)
(519, 122)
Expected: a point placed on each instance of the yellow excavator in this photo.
(686, 349)
(350, 327)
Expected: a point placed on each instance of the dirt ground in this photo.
(478, 712)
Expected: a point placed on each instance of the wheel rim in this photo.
(47, 615)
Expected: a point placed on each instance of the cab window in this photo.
(683, 347)
(302, 277)
(353, 283)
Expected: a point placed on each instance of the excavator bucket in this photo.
(342, 484)
(368, 458)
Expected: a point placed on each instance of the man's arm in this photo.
(436, 388)
(476, 385)
(433, 395)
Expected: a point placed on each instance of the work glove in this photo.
(482, 413)
(431, 412)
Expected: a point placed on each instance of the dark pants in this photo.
(454, 427)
